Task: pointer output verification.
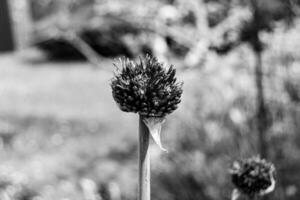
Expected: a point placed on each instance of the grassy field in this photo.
(60, 125)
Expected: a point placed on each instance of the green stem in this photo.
(144, 162)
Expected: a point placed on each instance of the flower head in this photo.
(253, 176)
(146, 87)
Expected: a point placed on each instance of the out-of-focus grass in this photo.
(60, 89)
(64, 127)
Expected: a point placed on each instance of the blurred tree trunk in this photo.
(22, 23)
(261, 112)
(261, 109)
(6, 33)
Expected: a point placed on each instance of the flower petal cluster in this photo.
(253, 176)
(146, 87)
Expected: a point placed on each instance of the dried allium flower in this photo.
(253, 176)
(146, 87)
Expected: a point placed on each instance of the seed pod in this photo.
(146, 87)
(253, 176)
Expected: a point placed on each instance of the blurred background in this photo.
(62, 137)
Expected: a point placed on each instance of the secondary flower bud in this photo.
(146, 87)
(253, 176)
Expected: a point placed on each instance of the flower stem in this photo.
(144, 162)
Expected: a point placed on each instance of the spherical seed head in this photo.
(146, 87)
(253, 176)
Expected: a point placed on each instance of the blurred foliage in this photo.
(216, 124)
(44, 8)
(111, 28)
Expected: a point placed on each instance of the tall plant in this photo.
(152, 91)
